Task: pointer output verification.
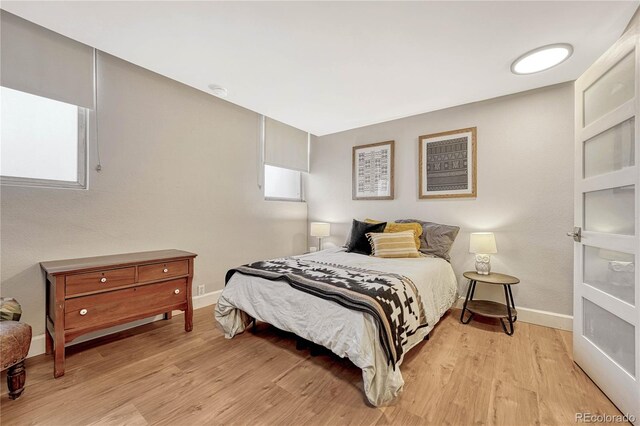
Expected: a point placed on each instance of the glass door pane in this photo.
(610, 150)
(610, 210)
(612, 335)
(610, 271)
(611, 90)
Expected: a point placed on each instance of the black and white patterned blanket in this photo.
(391, 299)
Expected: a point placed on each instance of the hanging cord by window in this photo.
(261, 143)
(95, 108)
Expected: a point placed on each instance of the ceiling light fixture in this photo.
(218, 91)
(542, 58)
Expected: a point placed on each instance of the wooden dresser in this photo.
(93, 293)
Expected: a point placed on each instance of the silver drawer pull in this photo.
(165, 270)
(83, 312)
(176, 291)
(103, 279)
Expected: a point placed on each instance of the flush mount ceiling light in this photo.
(219, 91)
(542, 58)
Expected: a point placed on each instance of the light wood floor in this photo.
(157, 374)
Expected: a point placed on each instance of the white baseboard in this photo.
(537, 317)
(206, 299)
(38, 342)
(531, 316)
(37, 346)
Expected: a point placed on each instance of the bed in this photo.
(346, 332)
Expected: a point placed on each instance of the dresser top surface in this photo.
(70, 265)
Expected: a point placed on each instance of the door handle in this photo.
(576, 234)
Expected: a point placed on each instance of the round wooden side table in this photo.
(488, 308)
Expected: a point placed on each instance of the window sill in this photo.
(40, 183)
(295, 200)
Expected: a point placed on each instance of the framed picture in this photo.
(373, 171)
(447, 165)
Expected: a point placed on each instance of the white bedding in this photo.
(346, 332)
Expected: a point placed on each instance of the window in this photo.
(282, 184)
(42, 141)
(285, 157)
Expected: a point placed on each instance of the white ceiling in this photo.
(331, 66)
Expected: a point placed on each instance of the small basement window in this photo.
(282, 184)
(42, 142)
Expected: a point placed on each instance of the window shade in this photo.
(44, 63)
(285, 146)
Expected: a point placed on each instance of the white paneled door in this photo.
(606, 324)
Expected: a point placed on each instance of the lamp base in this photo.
(483, 264)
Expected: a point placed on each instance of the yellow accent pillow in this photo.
(400, 227)
(393, 244)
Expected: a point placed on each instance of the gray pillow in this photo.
(436, 239)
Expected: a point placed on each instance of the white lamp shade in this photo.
(320, 229)
(482, 242)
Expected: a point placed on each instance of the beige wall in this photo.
(179, 171)
(525, 188)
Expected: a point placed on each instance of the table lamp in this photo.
(483, 244)
(320, 229)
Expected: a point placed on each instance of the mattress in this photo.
(345, 332)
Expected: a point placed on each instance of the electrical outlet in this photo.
(200, 290)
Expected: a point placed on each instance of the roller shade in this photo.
(36, 60)
(285, 146)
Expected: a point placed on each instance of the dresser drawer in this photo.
(158, 271)
(99, 281)
(119, 305)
